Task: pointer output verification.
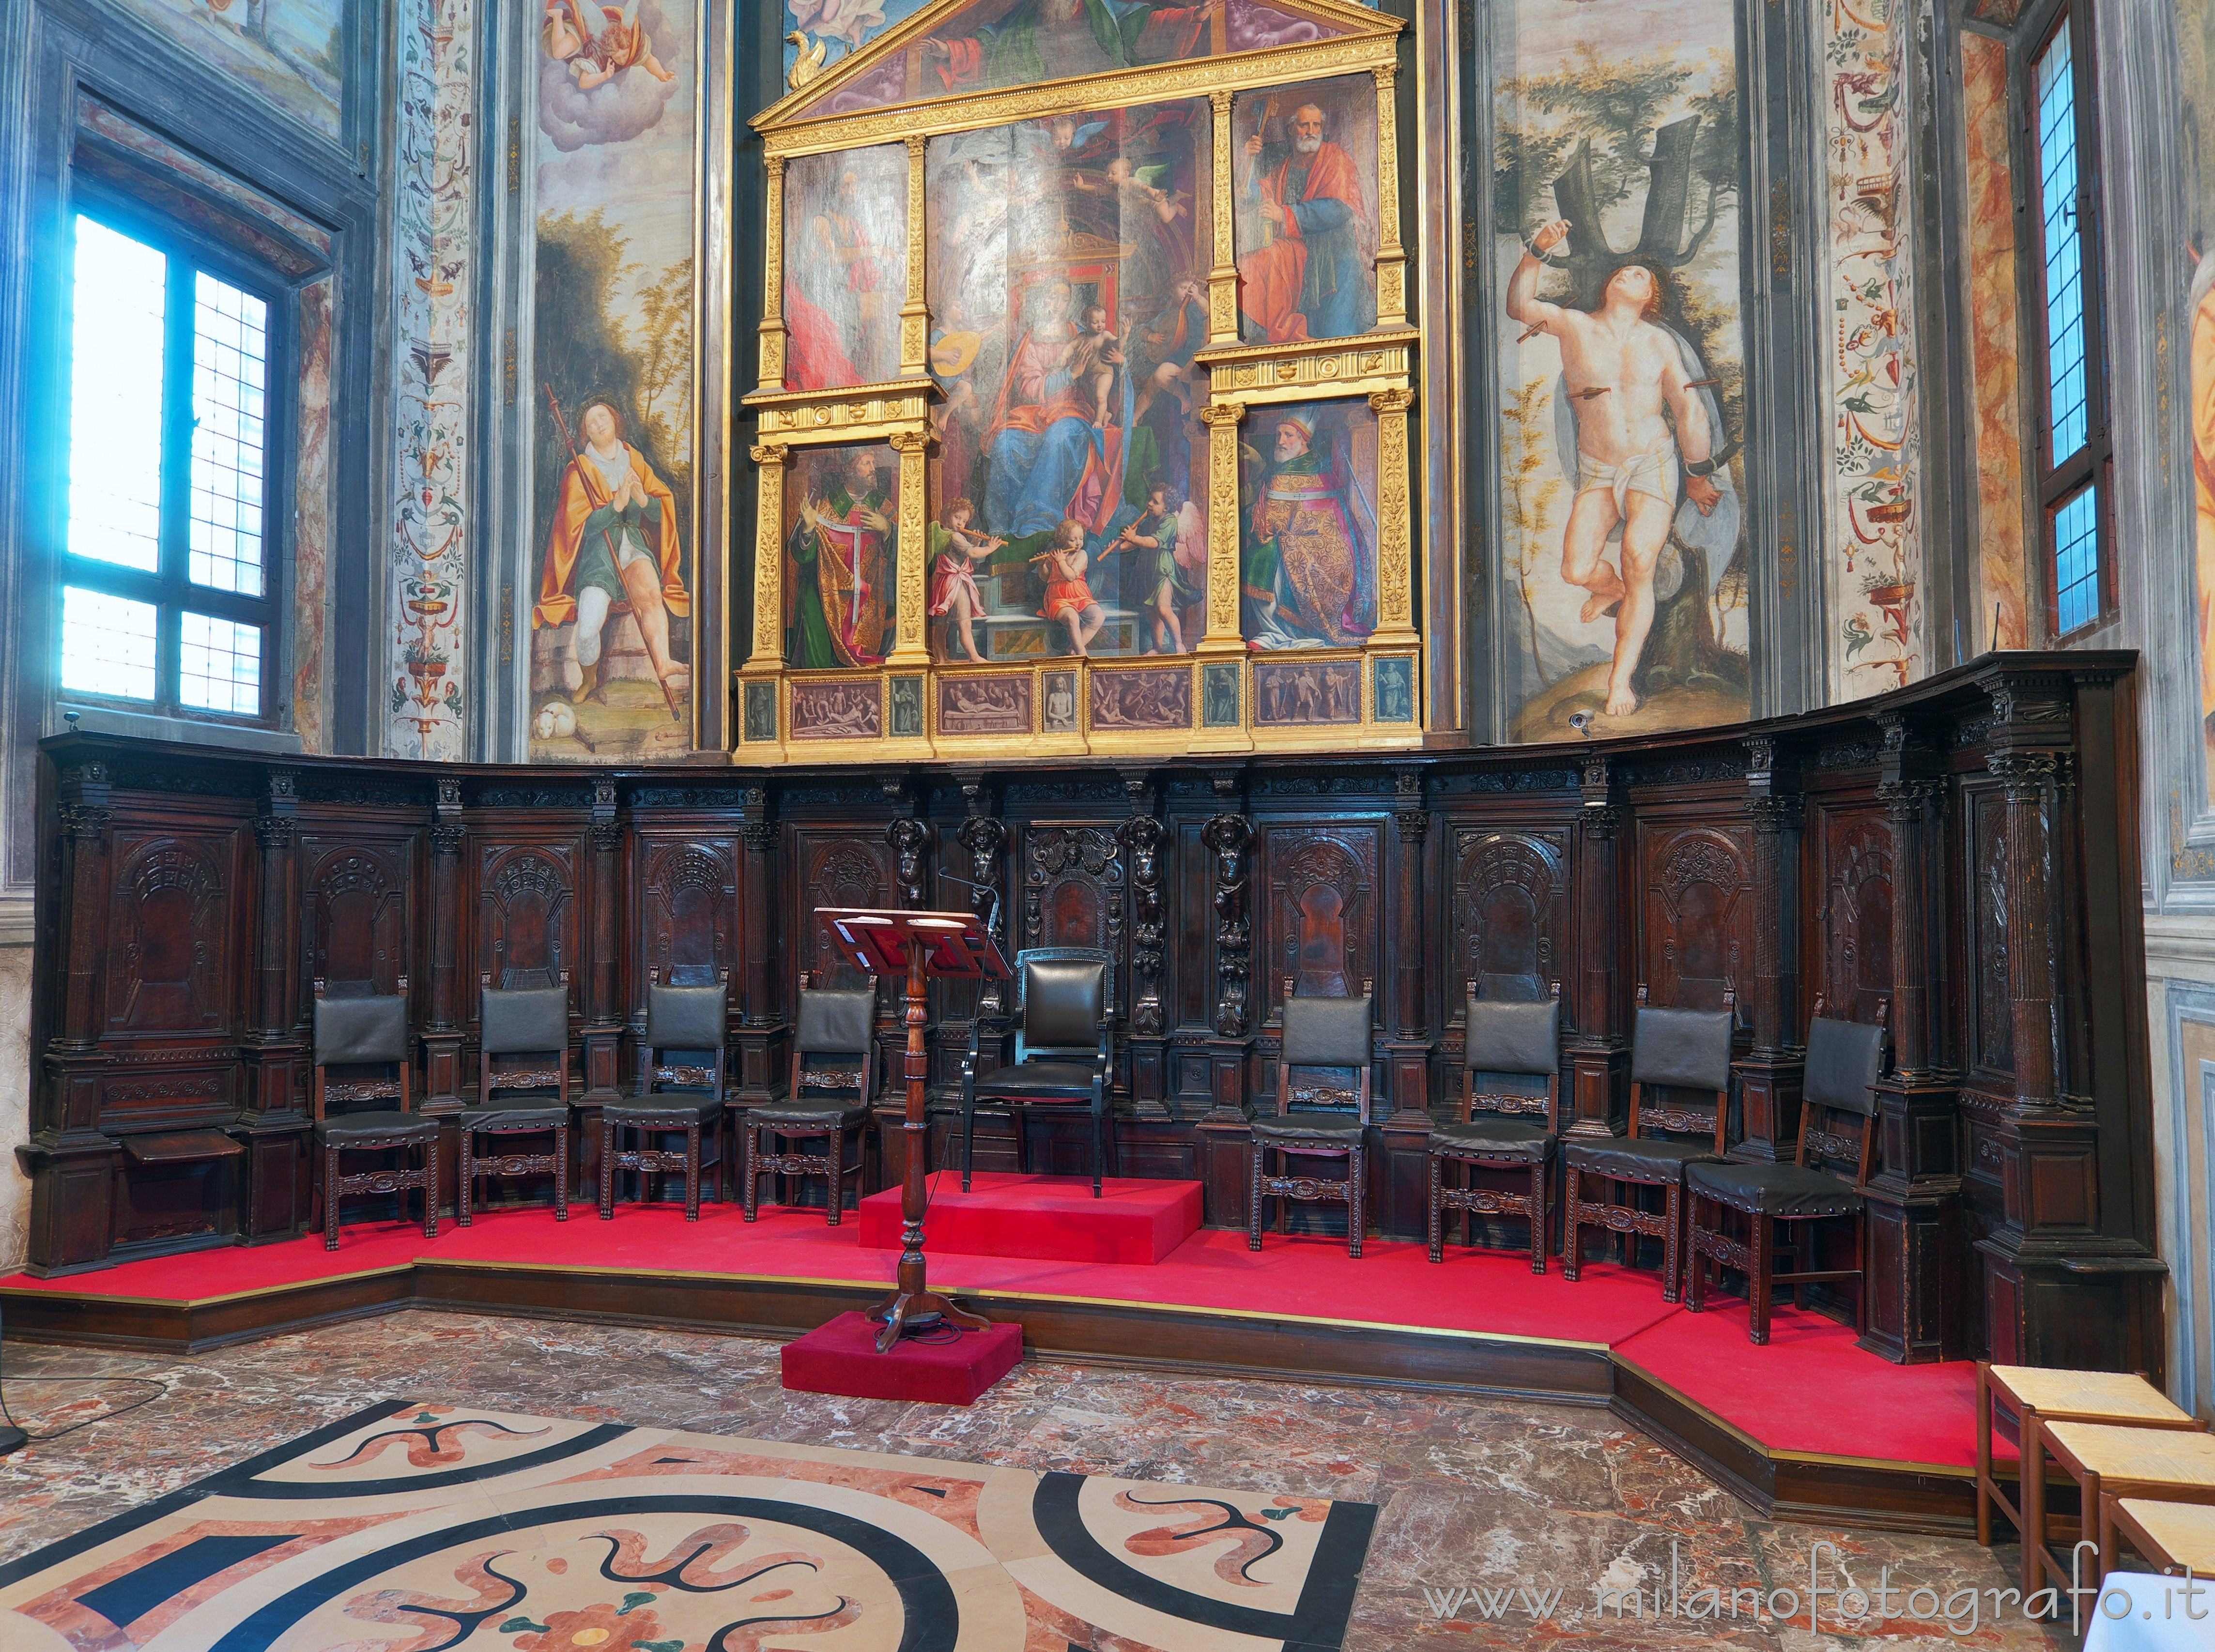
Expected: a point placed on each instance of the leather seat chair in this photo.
(1322, 1112)
(1510, 1117)
(1683, 1049)
(834, 1063)
(532, 1024)
(363, 1032)
(680, 1020)
(1838, 1125)
(1064, 1051)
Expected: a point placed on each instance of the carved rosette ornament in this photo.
(1141, 836)
(1227, 837)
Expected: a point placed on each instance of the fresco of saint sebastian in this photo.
(1621, 372)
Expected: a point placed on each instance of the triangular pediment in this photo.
(956, 49)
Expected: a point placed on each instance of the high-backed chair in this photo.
(834, 1066)
(1845, 1058)
(681, 1020)
(1685, 1050)
(531, 1022)
(1064, 1051)
(1323, 1111)
(359, 1032)
(1510, 1116)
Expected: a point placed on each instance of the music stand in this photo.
(879, 941)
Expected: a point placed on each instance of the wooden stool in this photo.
(2037, 1396)
(2174, 1536)
(2174, 1465)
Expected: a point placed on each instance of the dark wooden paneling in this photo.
(357, 908)
(526, 914)
(1696, 899)
(172, 923)
(687, 910)
(1850, 944)
(1511, 913)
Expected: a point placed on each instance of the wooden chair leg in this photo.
(1760, 1287)
(331, 1198)
(1672, 1225)
(1861, 1273)
(607, 1168)
(1572, 1220)
(834, 1150)
(1437, 1226)
(1696, 1288)
(562, 1172)
(431, 1190)
(1357, 1167)
(1539, 1217)
(692, 1171)
(462, 1182)
(1253, 1152)
(749, 1176)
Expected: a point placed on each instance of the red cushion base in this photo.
(840, 1357)
(1043, 1218)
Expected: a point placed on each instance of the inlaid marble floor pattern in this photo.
(1497, 1524)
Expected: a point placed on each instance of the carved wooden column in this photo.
(1391, 260)
(911, 648)
(1222, 277)
(1399, 1187)
(763, 1023)
(442, 1030)
(1144, 840)
(1769, 1079)
(604, 1005)
(1396, 529)
(1224, 1130)
(1598, 1052)
(272, 1126)
(915, 314)
(70, 1163)
(1224, 639)
(771, 375)
(759, 722)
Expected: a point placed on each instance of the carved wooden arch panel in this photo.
(1510, 914)
(169, 935)
(688, 910)
(840, 867)
(1323, 908)
(1698, 908)
(1073, 888)
(526, 914)
(1853, 913)
(355, 906)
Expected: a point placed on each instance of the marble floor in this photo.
(1500, 1522)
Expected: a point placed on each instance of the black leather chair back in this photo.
(687, 1018)
(1690, 1048)
(832, 1041)
(1062, 995)
(532, 1021)
(354, 1031)
(1845, 1058)
(1322, 1060)
(1511, 1055)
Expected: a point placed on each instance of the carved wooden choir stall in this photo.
(1962, 851)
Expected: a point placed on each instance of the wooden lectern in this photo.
(921, 945)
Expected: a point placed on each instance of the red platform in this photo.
(1043, 1218)
(841, 1357)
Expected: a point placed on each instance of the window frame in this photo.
(2050, 486)
(170, 588)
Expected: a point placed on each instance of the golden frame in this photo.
(1378, 366)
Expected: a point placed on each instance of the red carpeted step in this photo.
(840, 1357)
(1043, 1218)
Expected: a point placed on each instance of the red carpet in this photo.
(840, 1357)
(1811, 1390)
(1044, 1218)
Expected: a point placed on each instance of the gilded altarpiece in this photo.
(1085, 381)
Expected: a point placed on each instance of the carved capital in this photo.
(1602, 821)
(769, 453)
(1412, 824)
(83, 823)
(1907, 800)
(759, 836)
(2024, 773)
(274, 831)
(1391, 402)
(1223, 412)
(909, 441)
(605, 836)
(446, 838)
(1776, 814)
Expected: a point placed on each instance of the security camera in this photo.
(1581, 722)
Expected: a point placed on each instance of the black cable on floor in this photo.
(161, 1392)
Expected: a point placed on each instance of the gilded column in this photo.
(772, 324)
(910, 649)
(1391, 261)
(1223, 279)
(915, 315)
(1223, 637)
(758, 709)
(1395, 585)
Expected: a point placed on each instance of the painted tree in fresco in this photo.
(1527, 510)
